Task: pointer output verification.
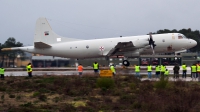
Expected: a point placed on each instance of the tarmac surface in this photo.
(119, 72)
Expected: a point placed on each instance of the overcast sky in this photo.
(90, 19)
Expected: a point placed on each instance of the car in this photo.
(155, 62)
(144, 63)
(166, 63)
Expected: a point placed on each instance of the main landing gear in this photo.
(126, 63)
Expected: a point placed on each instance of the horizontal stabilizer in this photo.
(41, 45)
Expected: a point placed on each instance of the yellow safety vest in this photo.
(167, 72)
(28, 68)
(157, 68)
(2, 71)
(198, 68)
(149, 68)
(194, 68)
(137, 68)
(95, 66)
(162, 68)
(184, 67)
(112, 68)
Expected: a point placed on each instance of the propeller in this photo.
(151, 42)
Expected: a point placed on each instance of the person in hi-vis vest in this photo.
(149, 70)
(112, 68)
(80, 70)
(137, 71)
(184, 67)
(2, 71)
(198, 72)
(96, 68)
(167, 73)
(193, 71)
(29, 69)
(162, 70)
(157, 69)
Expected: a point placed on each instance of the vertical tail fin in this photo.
(44, 33)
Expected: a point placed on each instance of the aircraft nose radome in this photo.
(193, 43)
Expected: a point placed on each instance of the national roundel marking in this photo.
(101, 48)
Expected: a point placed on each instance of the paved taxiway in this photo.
(130, 72)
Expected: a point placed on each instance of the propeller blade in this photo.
(151, 43)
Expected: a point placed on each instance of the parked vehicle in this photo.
(155, 62)
(144, 63)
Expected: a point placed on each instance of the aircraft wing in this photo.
(121, 48)
(124, 48)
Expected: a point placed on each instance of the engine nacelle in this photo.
(140, 43)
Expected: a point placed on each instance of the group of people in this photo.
(96, 69)
(163, 71)
(159, 70)
(28, 69)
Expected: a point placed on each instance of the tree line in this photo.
(10, 56)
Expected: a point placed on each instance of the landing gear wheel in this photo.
(126, 63)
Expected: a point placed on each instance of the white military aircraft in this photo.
(47, 42)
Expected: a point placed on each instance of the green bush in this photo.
(2, 97)
(28, 104)
(105, 83)
(2, 89)
(35, 94)
(42, 97)
(162, 83)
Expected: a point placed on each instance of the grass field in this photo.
(93, 94)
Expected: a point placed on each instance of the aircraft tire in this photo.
(126, 63)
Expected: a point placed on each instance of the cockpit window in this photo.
(180, 36)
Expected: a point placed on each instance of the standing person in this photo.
(29, 69)
(198, 72)
(112, 68)
(197, 64)
(167, 73)
(2, 70)
(149, 70)
(193, 71)
(96, 68)
(157, 71)
(80, 70)
(176, 71)
(184, 67)
(163, 68)
(137, 71)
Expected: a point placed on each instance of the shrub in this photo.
(132, 85)
(29, 104)
(2, 97)
(11, 96)
(2, 89)
(162, 83)
(35, 94)
(105, 83)
(42, 97)
(18, 97)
